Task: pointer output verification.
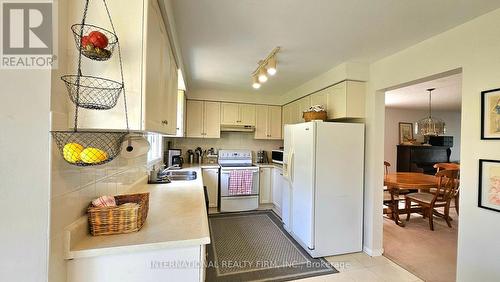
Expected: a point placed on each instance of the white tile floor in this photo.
(361, 267)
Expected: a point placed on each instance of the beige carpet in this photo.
(430, 255)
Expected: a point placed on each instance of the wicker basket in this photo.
(308, 116)
(119, 220)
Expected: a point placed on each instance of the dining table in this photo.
(398, 182)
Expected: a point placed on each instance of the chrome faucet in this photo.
(159, 176)
(161, 173)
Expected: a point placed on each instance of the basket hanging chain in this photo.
(80, 66)
(121, 65)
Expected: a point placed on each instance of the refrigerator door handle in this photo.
(291, 166)
(286, 166)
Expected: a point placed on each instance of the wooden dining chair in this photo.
(387, 195)
(445, 191)
(388, 201)
(386, 166)
(452, 166)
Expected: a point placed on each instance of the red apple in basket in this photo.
(98, 39)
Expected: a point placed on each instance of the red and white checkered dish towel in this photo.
(240, 182)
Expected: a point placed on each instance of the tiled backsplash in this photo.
(72, 190)
(228, 140)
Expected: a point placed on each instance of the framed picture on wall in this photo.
(489, 185)
(490, 114)
(405, 132)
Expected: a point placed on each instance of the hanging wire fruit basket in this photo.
(90, 148)
(85, 148)
(91, 92)
(95, 43)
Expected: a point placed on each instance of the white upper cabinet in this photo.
(247, 114)
(292, 112)
(230, 114)
(181, 114)
(202, 119)
(342, 100)
(319, 98)
(149, 67)
(304, 105)
(268, 122)
(237, 114)
(346, 100)
(194, 118)
(211, 119)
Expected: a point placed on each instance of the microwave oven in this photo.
(277, 156)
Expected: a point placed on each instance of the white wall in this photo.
(24, 175)
(229, 96)
(393, 116)
(474, 47)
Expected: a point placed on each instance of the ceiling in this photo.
(222, 40)
(446, 97)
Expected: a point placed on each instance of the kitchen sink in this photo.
(172, 175)
(180, 175)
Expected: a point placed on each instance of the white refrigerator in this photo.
(322, 204)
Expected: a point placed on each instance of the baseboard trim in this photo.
(373, 253)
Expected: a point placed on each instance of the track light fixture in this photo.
(271, 66)
(262, 75)
(256, 83)
(266, 67)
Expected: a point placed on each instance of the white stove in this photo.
(231, 160)
(235, 158)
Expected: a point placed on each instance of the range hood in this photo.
(237, 128)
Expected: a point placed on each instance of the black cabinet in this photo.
(421, 158)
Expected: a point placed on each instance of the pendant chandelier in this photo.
(430, 126)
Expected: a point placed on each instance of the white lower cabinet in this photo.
(265, 179)
(271, 187)
(211, 180)
(147, 266)
(277, 188)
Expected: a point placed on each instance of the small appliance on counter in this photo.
(277, 156)
(262, 157)
(190, 155)
(211, 156)
(173, 154)
(177, 161)
(198, 155)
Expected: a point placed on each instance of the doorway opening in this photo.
(425, 242)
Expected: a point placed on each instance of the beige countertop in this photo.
(177, 217)
(271, 165)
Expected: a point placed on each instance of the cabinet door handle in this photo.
(164, 122)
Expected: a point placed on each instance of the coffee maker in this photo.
(174, 157)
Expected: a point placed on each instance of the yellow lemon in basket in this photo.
(72, 151)
(93, 155)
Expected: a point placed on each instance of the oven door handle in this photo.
(229, 172)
